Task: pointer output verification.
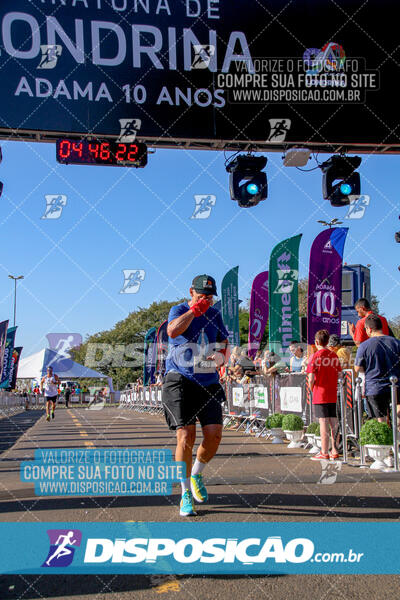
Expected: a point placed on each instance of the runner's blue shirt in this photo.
(196, 343)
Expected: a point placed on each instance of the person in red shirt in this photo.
(357, 331)
(323, 370)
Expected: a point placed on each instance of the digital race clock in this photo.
(101, 152)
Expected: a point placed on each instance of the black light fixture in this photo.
(331, 223)
(397, 237)
(341, 169)
(247, 180)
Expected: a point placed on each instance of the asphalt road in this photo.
(250, 480)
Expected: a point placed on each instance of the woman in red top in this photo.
(323, 370)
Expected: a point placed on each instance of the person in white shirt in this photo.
(49, 386)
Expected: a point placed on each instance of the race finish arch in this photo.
(212, 74)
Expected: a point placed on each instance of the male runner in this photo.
(49, 385)
(197, 348)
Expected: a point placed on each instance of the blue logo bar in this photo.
(200, 548)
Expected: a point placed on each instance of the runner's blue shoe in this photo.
(198, 488)
(187, 506)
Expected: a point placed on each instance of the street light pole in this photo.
(15, 294)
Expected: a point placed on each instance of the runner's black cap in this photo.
(204, 284)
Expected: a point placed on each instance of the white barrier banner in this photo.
(261, 397)
(237, 396)
(290, 399)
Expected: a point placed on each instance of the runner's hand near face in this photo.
(201, 307)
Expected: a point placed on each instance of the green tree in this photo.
(244, 329)
(395, 326)
(128, 331)
(303, 296)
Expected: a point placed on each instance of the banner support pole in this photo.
(393, 382)
(363, 464)
(343, 418)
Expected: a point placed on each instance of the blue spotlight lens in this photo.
(345, 189)
(252, 189)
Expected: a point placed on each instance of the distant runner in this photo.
(49, 386)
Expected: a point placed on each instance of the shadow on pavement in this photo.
(32, 587)
(14, 426)
(285, 506)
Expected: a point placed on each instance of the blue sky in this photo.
(121, 218)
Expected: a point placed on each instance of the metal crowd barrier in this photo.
(146, 399)
(11, 403)
(247, 406)
(393, 389)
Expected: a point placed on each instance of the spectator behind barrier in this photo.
(296, 363)
(341, 352)
(272, 364)
(258, 359)
(379, 358)
(323, 370)
(358, 331)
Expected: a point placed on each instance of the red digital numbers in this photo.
(78, 148)
(104, 151)
(132, 152)
(101, 152)
(121, 152)
(94, 150)
(65, 149)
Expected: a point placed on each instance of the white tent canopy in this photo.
(35, 366)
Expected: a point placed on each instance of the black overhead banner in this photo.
(270, 72)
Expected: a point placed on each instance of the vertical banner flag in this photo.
(3, 338)
(325, 282)
(284, 296)
(149, 358)
(10, 339)
(14, 367)
(258, 316)
(162, 346)
(230, 305)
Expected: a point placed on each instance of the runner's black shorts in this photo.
(378, 405)
(184, 401)
(323, 411)
(51, 398)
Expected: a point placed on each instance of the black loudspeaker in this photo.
(303, 330)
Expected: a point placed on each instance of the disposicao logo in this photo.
(62, 542)
(190, 550)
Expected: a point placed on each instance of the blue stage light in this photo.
(252, 188)
(345, 189)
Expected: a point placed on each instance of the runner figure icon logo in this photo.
(50, 56)
(286, 281)
(202, 56)
(129, 129)
(54, 206)
(357, 207)
(63, 543)
(330, 471)
(279, 129)
(132, 280)
(62, 343)
(203, 206)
